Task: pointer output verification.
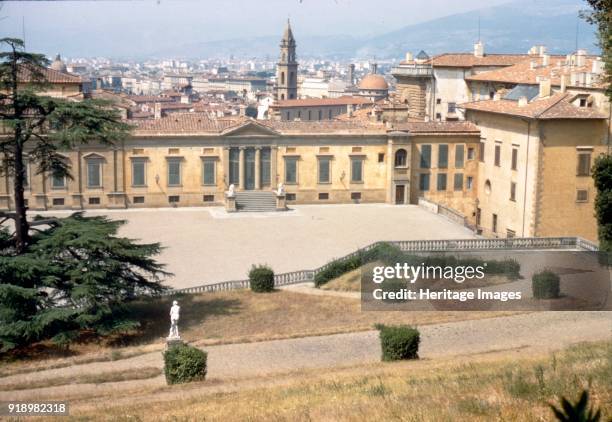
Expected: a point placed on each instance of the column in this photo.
(257, 168)
(273, 167)
(390, 170)
(226, 172)
(241, 170)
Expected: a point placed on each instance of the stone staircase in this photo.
(255, 201)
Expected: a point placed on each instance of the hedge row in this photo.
(390, 255)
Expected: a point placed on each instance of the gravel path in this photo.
(542, 331)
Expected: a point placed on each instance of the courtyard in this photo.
(207, 245)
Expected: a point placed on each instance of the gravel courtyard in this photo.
(207, 245)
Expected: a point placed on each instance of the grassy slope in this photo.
(502, 386)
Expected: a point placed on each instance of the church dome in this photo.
(58, 65)
(373, 82)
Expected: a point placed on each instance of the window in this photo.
(514, 158)
(174, 199)
(498, 155)
(452, 107)
(291, 170)
(441, 185)
(174, 172)
(469, 182)
(58, 181)
(459, 158)
(329, 114)
(138, 200)
(309, 114)
(290, 197)
(323, 196)
(266, 157)
(94, 201)
(138, 173)
(288, 116)
(512, 191)
(494, 225)
(582, 195)
(58, 202)
(481, 153)
(443, 156)
(324, 170)
(356, 196)
(381, 157)
(584, 163)
(510, 233)
(583, 102)
(209, 198)
(458, 182)
(234, 166)
(425, 156)
(356, 170)
(320, 115)
(208, 171)
(400, 158)
(424, 182)
(470, 155)
(94, 173)
(438, 116)
(438, 100)
(487, 187)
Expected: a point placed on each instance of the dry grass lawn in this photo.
(504, 386)
(233, 317)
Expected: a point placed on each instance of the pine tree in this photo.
(39, 126)
(76, 275)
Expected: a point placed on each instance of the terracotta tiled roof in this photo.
(522, 73)
(557, 106)
(150, 99)
(469, 60)
(182, 123)
(437, 127)
(318, 102)
(48, 75)
(324, 126)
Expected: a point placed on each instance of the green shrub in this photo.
(381, 252)
(261, 278)
(545, 285)
(183, 363)
(399, 342)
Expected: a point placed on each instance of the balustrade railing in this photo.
(516, 243)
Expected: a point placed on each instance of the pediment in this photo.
(250, 129)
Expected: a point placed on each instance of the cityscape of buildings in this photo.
(503, 142)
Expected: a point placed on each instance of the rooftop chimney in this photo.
(479, 49)
(157, 110)
(565, 80)
(544, 88)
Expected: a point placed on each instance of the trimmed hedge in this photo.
(399, 342)
(183, 363)
(545, 285)
(382, 252)
(261, 278)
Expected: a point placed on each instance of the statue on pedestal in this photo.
(174, 318)
(231, 192)
(281, 190)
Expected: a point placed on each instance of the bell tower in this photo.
(286, 69)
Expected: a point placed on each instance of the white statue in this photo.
(231, 191)
(281, 189)
(174, 318)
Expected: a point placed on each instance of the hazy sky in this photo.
(120, 27)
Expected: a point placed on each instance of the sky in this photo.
(124, 28)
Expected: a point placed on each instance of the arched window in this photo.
(282, 78)
(282, 96)
(291, 78)
(400, 158)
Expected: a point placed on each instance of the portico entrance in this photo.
(250, 167)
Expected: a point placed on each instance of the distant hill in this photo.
(512, 27)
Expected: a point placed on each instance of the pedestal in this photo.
(174, 341)
(230, 203)
(281, 202)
